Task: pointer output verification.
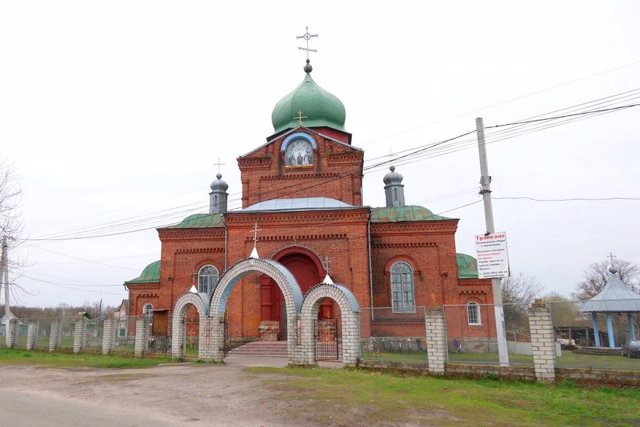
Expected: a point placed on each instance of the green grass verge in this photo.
(82, 360)
(390, 399)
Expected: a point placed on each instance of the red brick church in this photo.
(302, 207)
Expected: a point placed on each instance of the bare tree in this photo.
(518, 292)
(9, 198)
(595, 278)
(520, 289)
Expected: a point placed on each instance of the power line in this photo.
(570, 199)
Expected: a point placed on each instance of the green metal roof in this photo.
(319, 108)
(200, 221)
(467, 266)
(404, 213)
(150, 274)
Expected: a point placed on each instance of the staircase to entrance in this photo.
(261, 348)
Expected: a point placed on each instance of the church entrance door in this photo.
(307, 270)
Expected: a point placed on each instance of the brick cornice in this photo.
(255, 162)
(191, 233)
(299, 176)
(404, 245)
(414, 226)
(199, 250)
(305, 217)
(299, 237)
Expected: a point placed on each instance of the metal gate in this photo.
(327, 339)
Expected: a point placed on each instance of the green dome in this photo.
(319, 108)
(150, 274)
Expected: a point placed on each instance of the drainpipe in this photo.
(370, 271)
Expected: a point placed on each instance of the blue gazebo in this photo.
(616, 297)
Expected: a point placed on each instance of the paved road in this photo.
(23, 409)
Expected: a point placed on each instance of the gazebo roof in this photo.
(615, 297)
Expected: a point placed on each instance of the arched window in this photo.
(402, 291)
(147, 312)
(473, 313)
(207, 279)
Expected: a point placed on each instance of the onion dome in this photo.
(392, 177)
(317, 107)
(219, 184)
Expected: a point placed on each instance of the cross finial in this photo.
(299, 118)
(218, 164)
(254, 252)
(307, 36)
(611, 256)
(326, 264)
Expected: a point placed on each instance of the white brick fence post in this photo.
(542, 341)
(108, 336)
(54, 335)
(436, 340)
(79, 335)
(32, 334)
(12, 327)
(141, 345)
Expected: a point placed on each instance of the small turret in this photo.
(393, 188)
(218, 195)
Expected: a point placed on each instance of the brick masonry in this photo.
(54, 335)
(141, 343)
(361, 251)
(80, 335)
(436, 340)
(32, 334)
(108, 336)
(542, 341)
(10, 338)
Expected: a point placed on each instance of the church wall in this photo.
(340, 235)
(336, 172)
(429, 247)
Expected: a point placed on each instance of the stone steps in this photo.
(261, 348)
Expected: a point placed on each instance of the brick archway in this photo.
(285, 281)
(178, 327)
(350, 312)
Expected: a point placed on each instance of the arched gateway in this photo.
(299, 313)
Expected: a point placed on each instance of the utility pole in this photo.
(485, 183)
(4, 265)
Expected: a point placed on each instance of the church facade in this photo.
(302, 207)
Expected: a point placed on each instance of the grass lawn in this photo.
(614, 361)
(82, 360)
(375, 398)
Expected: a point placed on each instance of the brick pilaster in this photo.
(32, 334)
(436, 332)
(542, 341)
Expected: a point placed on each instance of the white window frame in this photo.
(472, 305)
(212, 279)
(147, 312)
(403, 291)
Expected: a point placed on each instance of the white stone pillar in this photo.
(54, 335)
(108, 336)
(436, 333)
(205, 342)
(12, 332)
(32, 334)
(350, 338)
(542, 341)
(178, 335)
(217, 337)
(79, 335)
(141, 345)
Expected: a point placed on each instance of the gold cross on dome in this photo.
(306, 36)
(326, 264)
(299, 118)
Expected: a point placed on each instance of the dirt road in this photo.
(171, 395)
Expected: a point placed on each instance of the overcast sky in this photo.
(114, 113)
